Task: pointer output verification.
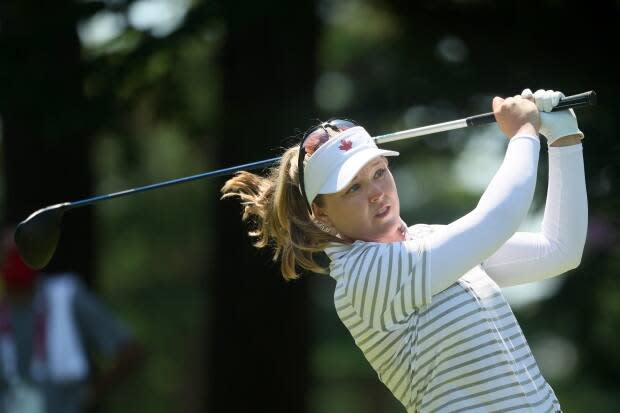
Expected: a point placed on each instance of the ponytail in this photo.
(279, 216)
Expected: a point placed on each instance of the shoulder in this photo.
(351, 258)
(364, 257)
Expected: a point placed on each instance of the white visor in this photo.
(334, 165)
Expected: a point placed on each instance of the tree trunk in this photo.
(259, 338)
(46, 139)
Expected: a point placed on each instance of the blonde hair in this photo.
(279, 215)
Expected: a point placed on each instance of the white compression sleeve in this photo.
(466, 242)
(528, 257)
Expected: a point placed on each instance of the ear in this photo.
(320, 213)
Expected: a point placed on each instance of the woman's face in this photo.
(367, 209)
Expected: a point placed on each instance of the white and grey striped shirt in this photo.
(458, 350)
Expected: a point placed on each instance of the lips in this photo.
(383, 211)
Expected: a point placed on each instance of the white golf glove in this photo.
(554, 125)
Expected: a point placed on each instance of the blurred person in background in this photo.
(51, 328)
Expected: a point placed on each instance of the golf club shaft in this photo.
(219, 172)
(575, 101)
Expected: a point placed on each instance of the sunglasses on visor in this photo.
(312, 140)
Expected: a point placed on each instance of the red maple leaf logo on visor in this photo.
(345, 145)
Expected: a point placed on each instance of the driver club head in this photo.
(37, 236)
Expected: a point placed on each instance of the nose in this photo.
(376, 193)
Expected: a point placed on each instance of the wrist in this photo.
(567, 140)
(526, 129)
(563, 152)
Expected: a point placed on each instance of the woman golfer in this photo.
(423, 302)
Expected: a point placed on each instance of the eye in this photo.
(353, 188)
(380, 172)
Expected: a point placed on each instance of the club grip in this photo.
(573, 101)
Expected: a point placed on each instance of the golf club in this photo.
(37, 236)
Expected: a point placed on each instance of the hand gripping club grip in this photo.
(573, 101)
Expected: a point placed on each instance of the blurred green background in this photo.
(100, 96)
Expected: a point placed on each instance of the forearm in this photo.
(466, 242)
(565, 221)
(558, 247)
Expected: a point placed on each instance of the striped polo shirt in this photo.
(460, 350)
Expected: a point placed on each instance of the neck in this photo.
(399, 233)
(402, 230)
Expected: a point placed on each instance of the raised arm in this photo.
(466, 242)
(559, 244)
(387, 281)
